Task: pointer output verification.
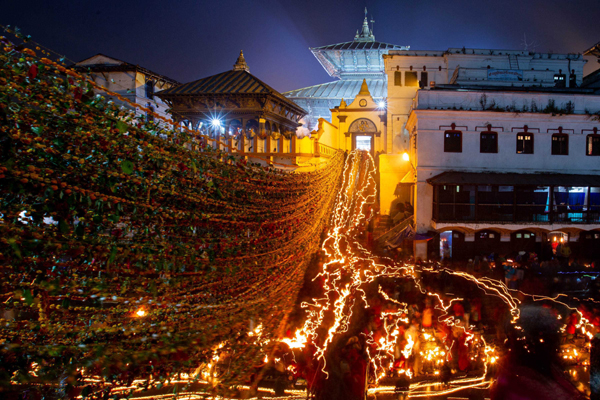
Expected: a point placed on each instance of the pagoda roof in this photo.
(360, 56)
(347, 89)
(356, 45)
(593, 51)
(226, 83)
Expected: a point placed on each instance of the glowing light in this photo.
(297, 342)
(216, 123)
(348, 266)
(381, 104)
(140, 312)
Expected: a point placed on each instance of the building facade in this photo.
(497, 150)
(484, 179)
(133, 82)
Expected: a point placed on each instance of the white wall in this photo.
(431, 160)
(538, 70)
(431, 125)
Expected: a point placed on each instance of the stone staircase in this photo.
(386, 233)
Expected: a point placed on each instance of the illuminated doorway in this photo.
(452, 245)
(557, 239)
(446, 245)
(364, 143)
(363, 133)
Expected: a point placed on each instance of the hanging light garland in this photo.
(126, 256)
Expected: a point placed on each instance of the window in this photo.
(150, 89)
(486, 235)
(560, 144)
(488, 142)
(573, 80)
(424, 82)
(397, 78)
(410, 78)
(592, 145)
(524, 143)
(560, 80)
(453, 141)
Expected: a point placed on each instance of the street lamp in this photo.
(406, 157)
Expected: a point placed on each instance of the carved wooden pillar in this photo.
(268, 139)
(260, 134)
(242, 142)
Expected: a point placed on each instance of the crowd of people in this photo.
(446, 333)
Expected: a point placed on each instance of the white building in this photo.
(133, 82)
(488, 178)
(409, 71)
(504, 149)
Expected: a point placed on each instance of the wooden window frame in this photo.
(149, 89)
(412, 74)
(447, 145)
(397, 78)
(589, 147)
(524, 141)
(481, 142)
(566, 141)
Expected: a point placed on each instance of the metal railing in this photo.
(395, 230)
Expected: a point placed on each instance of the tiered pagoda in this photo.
(351, 63)
(236, 104)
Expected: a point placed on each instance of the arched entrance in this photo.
(363, 133)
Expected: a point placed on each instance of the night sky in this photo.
(191, 39)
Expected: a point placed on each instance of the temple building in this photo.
(241, 114)
(496, 150)
(350, 63)
(592, 71)
(359, 125)
(135, 83)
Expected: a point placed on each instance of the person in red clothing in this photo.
(572, 322)
(459, 310)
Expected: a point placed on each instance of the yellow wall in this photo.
(305, 145)
(328, 134)
(391, 169)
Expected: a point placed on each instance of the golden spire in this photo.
(240, 64)
(343, 104)
(364, 89)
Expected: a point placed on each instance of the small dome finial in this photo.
(364, 89)
(240, 64)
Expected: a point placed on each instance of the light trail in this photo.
(349, 266)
